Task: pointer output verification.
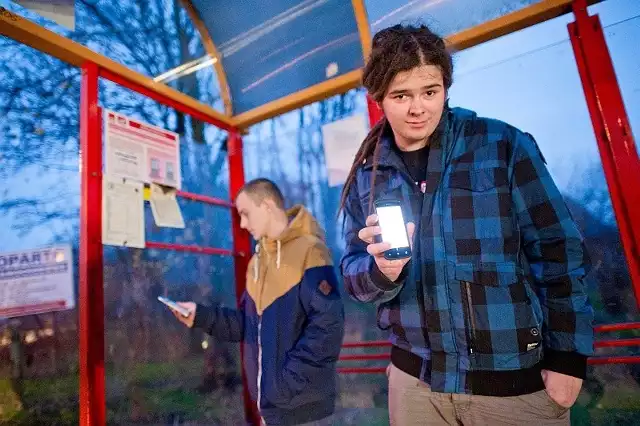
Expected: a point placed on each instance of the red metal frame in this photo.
(91, 300)
(615, 142)
(612, 130)
(242, 248)
(164, 100)
(617, 327)
(614, 360)
(188, 248)
(362, 370)
(604, 328)
(204, 199)
(620, 343)
(608, 360)
(375, 112)
(370, 344)
(364, 357)
(91, 297)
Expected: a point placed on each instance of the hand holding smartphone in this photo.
(175, 307)
(394, 251)
(185, 312)
(394, 229)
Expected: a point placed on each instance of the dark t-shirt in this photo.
(415, 163)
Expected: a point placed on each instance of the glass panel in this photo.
(158, 371)
(621, 23)
(507, 79)
(39, 206)
(444, 17)
(151, 37)
(530, 79)
(270, 51)
(289, 150)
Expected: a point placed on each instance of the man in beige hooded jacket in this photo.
(291, 317)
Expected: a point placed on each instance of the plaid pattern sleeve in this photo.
(558, 260)
(362, 279)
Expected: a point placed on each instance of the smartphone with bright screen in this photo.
(173, 305)
(394, 231)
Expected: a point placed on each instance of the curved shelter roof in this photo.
(269, 50)
(273, 49)
(274, 56)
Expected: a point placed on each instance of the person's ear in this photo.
(269, 205)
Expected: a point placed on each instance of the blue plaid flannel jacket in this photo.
(495, 283)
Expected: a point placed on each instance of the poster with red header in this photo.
(140, 151)
(36, 281)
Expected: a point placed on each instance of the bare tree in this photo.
(39, 97)
(39, 145)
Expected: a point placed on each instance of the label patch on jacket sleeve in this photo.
(325, 288)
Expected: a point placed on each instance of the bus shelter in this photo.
(321, 63)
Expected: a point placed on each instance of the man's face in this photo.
(413, 105)
(254, 217)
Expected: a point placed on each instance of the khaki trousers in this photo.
(411, 402)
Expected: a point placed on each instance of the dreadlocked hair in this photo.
(394, 50)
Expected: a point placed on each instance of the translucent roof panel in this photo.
(151, 37)
(445, 17)
(276, 48)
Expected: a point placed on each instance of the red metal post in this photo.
(369, 344)
(361, 370)
(204, 199)
(612, 130)
(375, 112)
(242, 249)
(91, 297)
(188, 248)
(158, 97)
(617, 327)
(366, 357)
(632, 359)
(620, 343)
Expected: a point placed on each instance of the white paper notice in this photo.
(62, 12)
(140, 151)
(36, 281)
(342, 139)
(122, 213)
(165, 208)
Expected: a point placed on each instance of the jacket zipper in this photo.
(471, 318)
(262, 278)
(262, 422)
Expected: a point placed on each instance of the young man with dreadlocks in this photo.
(489, 319)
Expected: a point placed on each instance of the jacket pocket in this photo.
(492, 274)
(293, 390)
(478, 180)
(275, 389)
(499, 316)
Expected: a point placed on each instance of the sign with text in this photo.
(36, 281)
(141, 152)
(122, 213)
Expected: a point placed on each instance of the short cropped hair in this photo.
(261, 189)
